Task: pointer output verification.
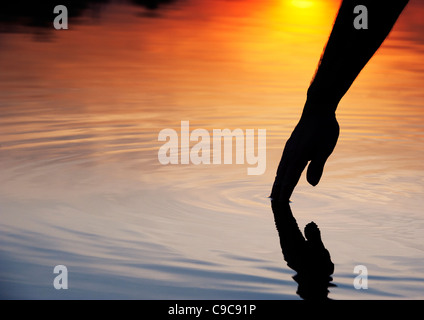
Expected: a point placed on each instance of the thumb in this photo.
(315, 170)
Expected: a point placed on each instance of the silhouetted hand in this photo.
(313, 139)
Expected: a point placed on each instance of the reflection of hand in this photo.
(308, 257)
(312, 233)
(313, 139)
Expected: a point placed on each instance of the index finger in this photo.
(292, 164)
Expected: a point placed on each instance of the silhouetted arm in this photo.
(347, 52)
(349, 49)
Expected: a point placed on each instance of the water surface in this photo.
(81, 110)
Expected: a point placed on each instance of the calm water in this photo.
(81, 110)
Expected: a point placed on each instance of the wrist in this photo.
(317, 109)
(321, 99)
(320, 103)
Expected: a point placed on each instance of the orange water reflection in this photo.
(219, 64)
